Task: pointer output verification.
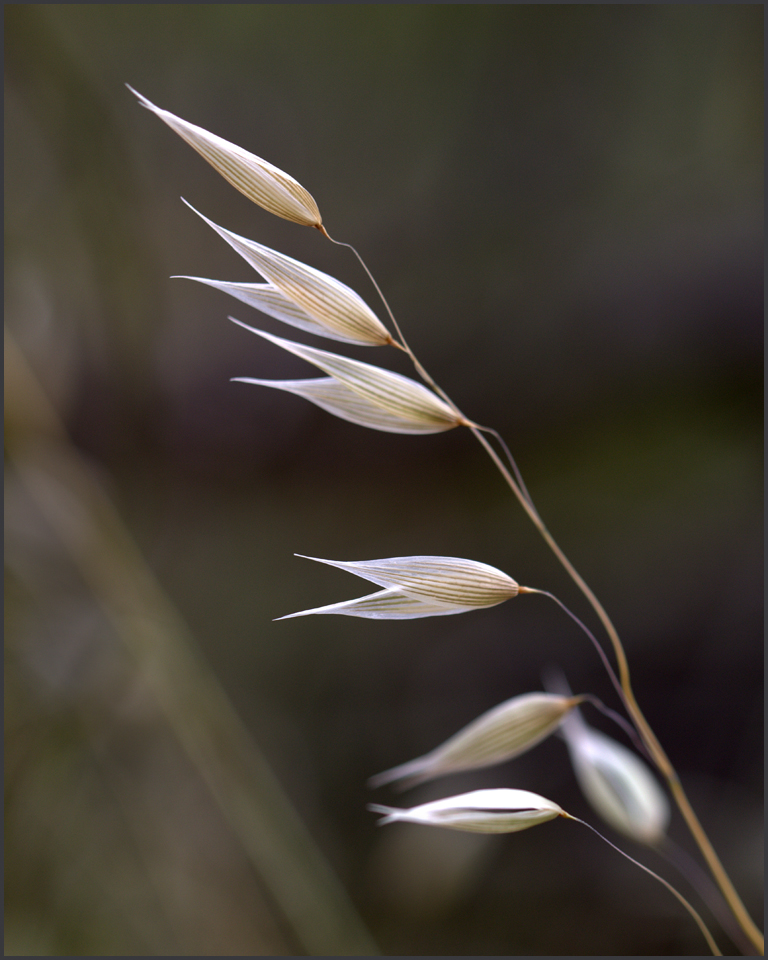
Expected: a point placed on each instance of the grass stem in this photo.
(642, 726)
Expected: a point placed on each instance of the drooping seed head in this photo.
(336, 398)
(500, 734)
(260, 181)
(418, 409)
(481, 811)
(420, 587)
(331, 304)
(616, 782)
(445, 579)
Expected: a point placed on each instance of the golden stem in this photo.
(643, 728)
(641, 724)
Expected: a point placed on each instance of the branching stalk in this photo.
(647, 735)
(605, 661)
(643, 728)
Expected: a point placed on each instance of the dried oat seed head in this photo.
(444, 579)
(263, 183)
(403, 398)
(420, 587)
(500, 734)
(481, 811)
(334, 397)
(616, 782)
(331, 304)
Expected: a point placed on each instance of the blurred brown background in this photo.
(563, 205)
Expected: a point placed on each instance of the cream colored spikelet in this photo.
(332, 305)
(506, 731)
(617, 783)
(260, 181)
(416, 408)
(420, 587)
(481, 811)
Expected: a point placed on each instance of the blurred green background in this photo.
(563, 205)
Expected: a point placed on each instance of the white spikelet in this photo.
(481, 811)
(395, 394)
(616, 782)
(337, 399)
(331, 304)
(260, 181)
(420, 587)
(500, 734)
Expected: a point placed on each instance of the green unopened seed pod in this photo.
(502, 733)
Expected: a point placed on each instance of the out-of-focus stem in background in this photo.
(308, 896)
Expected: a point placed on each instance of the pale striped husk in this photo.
(336, 398)
(396, 394)
(617, 783)
(260, 181)
(480, 811)
(447, 580)
(391, 604)
(420, 587)
(500, 734)
(267, 298)
(332, 304)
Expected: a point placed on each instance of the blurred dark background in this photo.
(563, 205)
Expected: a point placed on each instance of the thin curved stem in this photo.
(684, 863)
(403, 344)
(595, 643)
(339, 243)
(507, 452)
(694, 913)
(554, 682)
(617, 718)
(641, 724)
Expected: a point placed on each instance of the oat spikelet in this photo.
(331, 304)
(618, 785)
(420, 587)
(504, 732)
(393, 393)
(260, 181)
(481, 811)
